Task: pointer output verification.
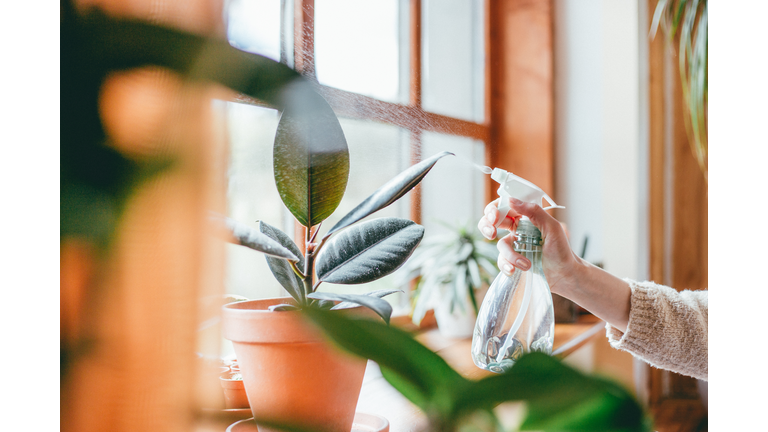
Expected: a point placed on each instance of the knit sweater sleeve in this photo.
(667, 329)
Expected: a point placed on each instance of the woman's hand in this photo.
(561, 265)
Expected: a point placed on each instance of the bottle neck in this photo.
(528, 241)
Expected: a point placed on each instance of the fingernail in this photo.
(522, 264)
(515, 201)
(487, 232)
(507, 269)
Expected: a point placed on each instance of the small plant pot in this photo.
(456, 324)
(234, 392)
(292, 375)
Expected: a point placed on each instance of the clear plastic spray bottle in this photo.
(517, 314)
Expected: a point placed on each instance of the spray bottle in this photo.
(517, 314)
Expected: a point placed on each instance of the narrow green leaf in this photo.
(311, 159)
(376, 304)
(253, 239)
(280, 268)
(368, 251)
(389, 193)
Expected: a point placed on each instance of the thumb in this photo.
(538, 216)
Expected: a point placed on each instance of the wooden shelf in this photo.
(378, 397)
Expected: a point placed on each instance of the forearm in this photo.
(601, 293)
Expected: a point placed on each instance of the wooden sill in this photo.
(379, 397)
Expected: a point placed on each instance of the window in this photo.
(406, 78)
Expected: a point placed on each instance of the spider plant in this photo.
(461, 260)
(689, 18)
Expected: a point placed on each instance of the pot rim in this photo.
(250, 321)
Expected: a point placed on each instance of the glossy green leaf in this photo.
(377, 294)
(376, 304)
(389, 193)
(281, 268)
(368, 251)
(253, 239)
(420, 374)
(311, 160)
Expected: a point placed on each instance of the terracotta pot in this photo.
(291, 374)
(234, 392)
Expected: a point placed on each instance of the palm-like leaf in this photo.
(368, 251)
(690, 18)
(389, 193)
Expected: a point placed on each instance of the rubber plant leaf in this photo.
(388, 193)
(380, 306)
(413, 369)
(251, 238)
(368, 251)
(311, 159)
(377, 294)
(557, 397)
(281, 268)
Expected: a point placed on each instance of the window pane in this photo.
(453, 76)
(357, 47)
(252, 196)
(254, 26)
(454, 191)
(377, 152)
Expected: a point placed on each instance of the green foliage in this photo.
(558, 398)
(461, 259)
(689, 18)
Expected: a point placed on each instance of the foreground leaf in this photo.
(369, 251)
(311, 160)
(389, 193)
(380, 306)
(413, 369)
(280, 268)
(558, 397)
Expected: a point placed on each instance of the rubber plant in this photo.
(557, 397)
(311, 169)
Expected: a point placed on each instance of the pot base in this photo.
(363, 423)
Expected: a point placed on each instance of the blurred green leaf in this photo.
(418, 373)
(389, 193)
(311, 160)
(368, 251)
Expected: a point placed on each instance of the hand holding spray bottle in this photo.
(517, 314)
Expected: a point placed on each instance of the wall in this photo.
(601, 146)
(600, 139)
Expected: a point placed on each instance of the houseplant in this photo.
(290, 373)
(449, 270)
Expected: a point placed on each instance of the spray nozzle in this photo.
(512, 186)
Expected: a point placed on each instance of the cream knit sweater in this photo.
(667, 329)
